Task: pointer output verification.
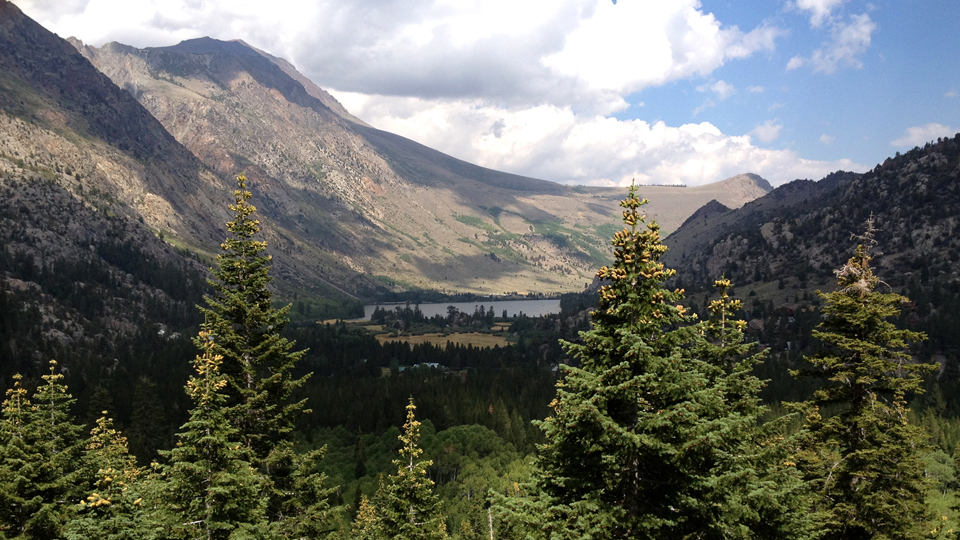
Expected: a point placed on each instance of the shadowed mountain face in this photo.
(795, 236)
(339, 192)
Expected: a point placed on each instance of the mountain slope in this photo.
(346, 209)
(379, 203)
(800, 232)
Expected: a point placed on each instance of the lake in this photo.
(530, 308)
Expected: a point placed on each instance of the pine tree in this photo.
(210, 487)
(644, 441)
(760, 490)
(304, 509)
(40, 473)
(257, 362)
(114, 509)
(17, 468)
(148, 430)
(864, 460)
(410, 510)
(367, 525)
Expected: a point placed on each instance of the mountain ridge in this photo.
(430, 219)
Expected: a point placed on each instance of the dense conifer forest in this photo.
(658, 416)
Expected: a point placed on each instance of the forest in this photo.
(656, 416)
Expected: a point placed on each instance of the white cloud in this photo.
(587, 52)
(848, 41)
(558, 144)
(951, 93)
(525, 87)
(755, 89)
(768, 131)
(722, 89)
(827, 139)
(820, 10)
(921, 135)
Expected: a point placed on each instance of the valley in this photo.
(520, 400)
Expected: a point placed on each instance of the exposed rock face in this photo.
(379, 203)
(157, 135)
(802, 231)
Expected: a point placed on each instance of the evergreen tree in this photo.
(210, 487)
(762, 493)
(40, 469)
(864, 459)
(257, 362)
(114, 510)
(409, 509)
(18, 466)
(644, 441)
(367, 525)
(304, 509)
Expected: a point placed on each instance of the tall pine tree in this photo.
(257, 361)
(760, 491)
(647, 434)
(114, 509)
(258, 366)
(410, 510)
(861, 453)
(210, 488)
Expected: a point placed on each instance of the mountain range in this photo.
(798, 234)
(156, 135)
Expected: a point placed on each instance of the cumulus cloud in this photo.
(756, 89)
(849, 40)
(951, 93)
(526, 87)
(827, 139)
(768, 131)
(587, 52)
(921, 135)
(820, 10)
(53, 9)
(555, 143)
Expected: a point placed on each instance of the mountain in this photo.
(794, 237)
(155, 137)
(340, 192)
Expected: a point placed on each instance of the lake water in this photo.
(530, 308)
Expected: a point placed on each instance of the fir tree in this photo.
(409, 509)
(19, 458)
(257, 362)
(40, 471)
(644, 441)
(864, 460)
(761, 492)
(114, 509)
(210, 487)
(367, 525)
(304, 509)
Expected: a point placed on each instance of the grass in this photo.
(475, 222)
(471, 338)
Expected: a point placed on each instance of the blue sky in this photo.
(592, 92)
(909, 76)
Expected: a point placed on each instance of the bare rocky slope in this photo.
(155, 137)
(795, 236)
(376, 202)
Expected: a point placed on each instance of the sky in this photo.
(599, 92)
